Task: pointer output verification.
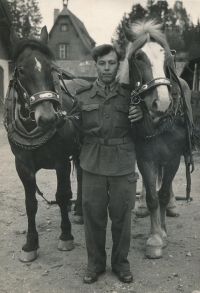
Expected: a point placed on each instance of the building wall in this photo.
(4, 65)
(77, 50)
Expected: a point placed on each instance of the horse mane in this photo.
(143, 31)
(23, 43)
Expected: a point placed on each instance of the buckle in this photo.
(106, 141)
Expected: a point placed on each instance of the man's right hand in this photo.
(135, 113)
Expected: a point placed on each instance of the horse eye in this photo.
(21, 70)
(138, 57)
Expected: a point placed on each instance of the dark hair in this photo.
(103, 50)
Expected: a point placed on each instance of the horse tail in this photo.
(160, 175)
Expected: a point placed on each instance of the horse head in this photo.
(33, 79)
(146, 67)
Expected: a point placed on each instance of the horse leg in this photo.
(172, 209)
(78, 215)
(63, 197)
(169, 171)
(142, 210)
(27, 176)
(155, 242)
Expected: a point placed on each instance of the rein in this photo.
(16, 131)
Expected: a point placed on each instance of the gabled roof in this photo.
(5, 15)
(79, 27)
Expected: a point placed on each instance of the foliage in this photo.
(181, 33)
(26, 17)
(191, 36)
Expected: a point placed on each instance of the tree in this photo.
(191, 36)
(158, 11)
(26, 17)
(119, 38)
(176, 23)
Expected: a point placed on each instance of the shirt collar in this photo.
(110, 86)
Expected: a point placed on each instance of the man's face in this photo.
(107, 67)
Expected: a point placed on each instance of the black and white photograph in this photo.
(100, 146)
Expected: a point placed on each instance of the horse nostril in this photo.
(47, 122)
(154, 105)
(42, 122)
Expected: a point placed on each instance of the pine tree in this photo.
(176, 23)
(26, 17)
(119, 38)
(191, 36)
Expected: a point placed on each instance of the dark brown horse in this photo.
(149, 69)
(33, 100)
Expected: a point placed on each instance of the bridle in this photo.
(137, 86)
(29, 102)
(178, 107)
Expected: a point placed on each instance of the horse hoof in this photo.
(28, 256)
(153, 251)
(142, 212)
(65, 245)
(78, 220)
(164, 244)
(172, 212)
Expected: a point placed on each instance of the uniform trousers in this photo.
(103, 195)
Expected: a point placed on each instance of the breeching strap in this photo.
(189, 162)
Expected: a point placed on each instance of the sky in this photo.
(101, 17)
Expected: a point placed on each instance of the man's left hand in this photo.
(135, 113)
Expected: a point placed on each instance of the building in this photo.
(71, 44)
(68, 38)
(5, 29)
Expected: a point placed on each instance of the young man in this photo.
(102, 112)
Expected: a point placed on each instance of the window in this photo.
(63, 52)
(64, 27)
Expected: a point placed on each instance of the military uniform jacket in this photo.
(108, 147)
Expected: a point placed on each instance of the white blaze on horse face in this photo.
(156, 55)
(38, 65)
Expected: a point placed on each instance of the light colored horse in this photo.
(164, 136)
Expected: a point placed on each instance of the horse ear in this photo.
(14, 36)
(128, 33)
(44, 37)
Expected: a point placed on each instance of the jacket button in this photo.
(106, 102)
(107, 116)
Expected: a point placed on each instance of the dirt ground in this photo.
(62, 272)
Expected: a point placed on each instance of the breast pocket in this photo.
(121, 115)
(91, 115)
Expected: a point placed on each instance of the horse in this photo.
(166, 132)
(34, 99)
